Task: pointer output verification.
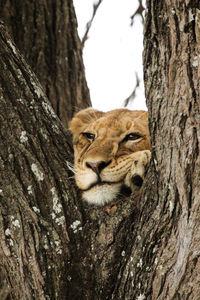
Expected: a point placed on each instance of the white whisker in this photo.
(72, 177)
(70, 166)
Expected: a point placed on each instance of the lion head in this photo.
(105, 146)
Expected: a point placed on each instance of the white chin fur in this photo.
(100, 195)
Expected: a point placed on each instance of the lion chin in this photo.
(111, 150)
(101, 194)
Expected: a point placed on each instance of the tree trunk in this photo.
(34, 188)
(46, 34)
(171, 233)
(164, 259)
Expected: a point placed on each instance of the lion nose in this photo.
(97, 166)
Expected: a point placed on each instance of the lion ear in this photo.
(82, 119)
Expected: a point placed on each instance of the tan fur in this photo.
(122, 159)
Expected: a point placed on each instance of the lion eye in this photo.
(88, 135)
(132, 137)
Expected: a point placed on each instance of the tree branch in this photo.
(139, 12)
(133, 94)
(89, 24)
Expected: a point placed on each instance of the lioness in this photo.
(111, 150)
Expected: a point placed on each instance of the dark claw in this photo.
(137, 180)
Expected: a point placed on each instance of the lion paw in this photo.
(135, 176)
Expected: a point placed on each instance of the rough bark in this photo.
(166, 254)
(45, 32)
(34, 184)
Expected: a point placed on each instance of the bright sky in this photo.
(113, 52)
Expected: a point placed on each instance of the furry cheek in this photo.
(85, 179)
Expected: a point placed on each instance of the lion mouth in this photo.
(101, 183)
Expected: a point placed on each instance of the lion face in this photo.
(105, 145)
